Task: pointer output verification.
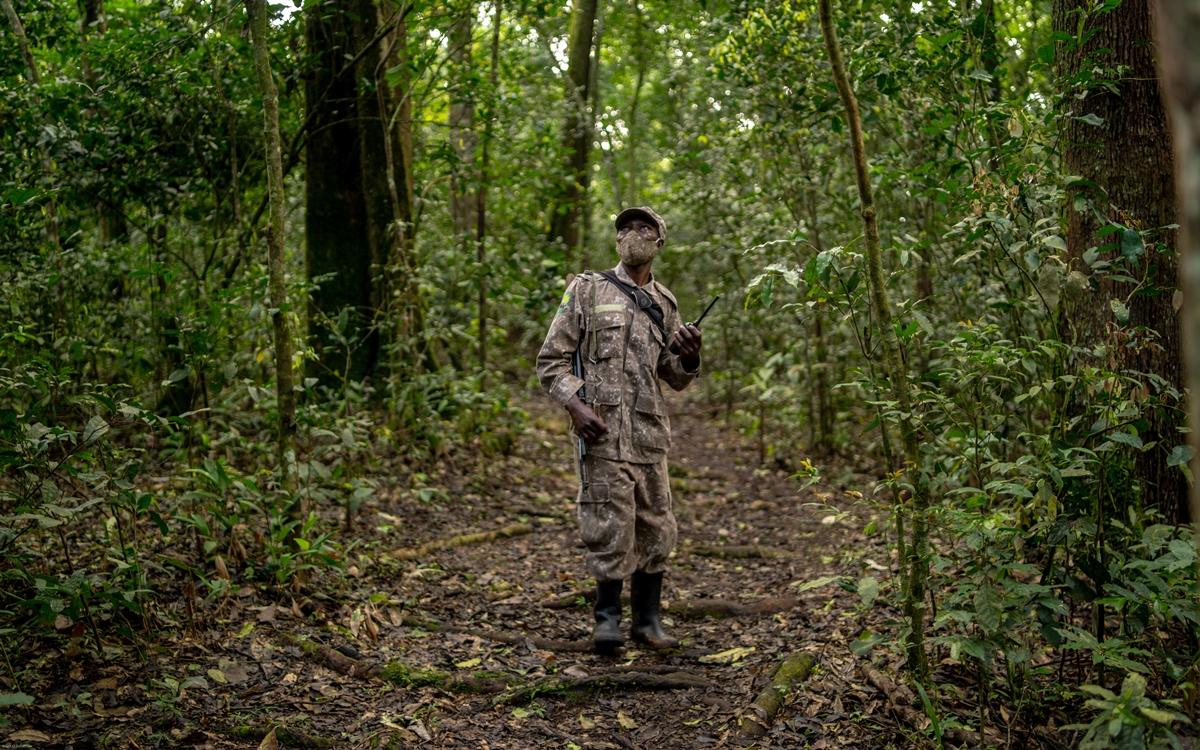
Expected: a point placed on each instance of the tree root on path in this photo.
(901, 701)
(512, 639)
(559, 685)
(761, 714)
(514, 529)
(689, 608)
(742, 551)
(328, 657)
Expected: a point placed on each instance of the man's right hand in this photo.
(587, 424)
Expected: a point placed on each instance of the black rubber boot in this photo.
(645, 591)
(607, 633)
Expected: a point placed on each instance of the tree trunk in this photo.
(1128, 156)
(35, 81)
(576, 135)
(276, 262)
(481, 209)
(1178, 26)
(93, 22)
(461, 122)
(338, 221)
(917, 557)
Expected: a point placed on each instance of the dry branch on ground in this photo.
(414, 553)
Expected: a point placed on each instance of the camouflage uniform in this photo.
(626, 521)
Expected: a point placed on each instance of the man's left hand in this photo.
(688, 339)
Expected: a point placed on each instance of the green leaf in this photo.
(988, 608)
(95, 428)
(1056, 242)
(1180, 455)
(1092, 118)
(1126, 438)
(1132, 246)
(865, 642)
(868, 589)
(1120, 310)
(15, 699)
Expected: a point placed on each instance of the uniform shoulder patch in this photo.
(566, 303)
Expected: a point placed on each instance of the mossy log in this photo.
(404, 675)
(328, 657)
(284, 736)
(761, 713)
(414, 553)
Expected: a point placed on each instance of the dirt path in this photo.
(256, 671)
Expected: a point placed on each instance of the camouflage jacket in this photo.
(624, 355)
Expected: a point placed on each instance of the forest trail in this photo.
(258, 670)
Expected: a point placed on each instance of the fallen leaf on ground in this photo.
(625, 721)
(816, 583)
(28, 735)
(269, 742)
(727, 657)
(586, 723)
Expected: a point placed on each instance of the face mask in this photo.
(636, 250)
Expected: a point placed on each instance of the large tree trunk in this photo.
(1129, 157)
(342, 218)
(577, 135)
(1179, 50)
(276, 261)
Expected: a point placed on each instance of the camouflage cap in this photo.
(645, 212)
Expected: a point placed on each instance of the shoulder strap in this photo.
(641, 299)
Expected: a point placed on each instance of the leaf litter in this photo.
(249, 676)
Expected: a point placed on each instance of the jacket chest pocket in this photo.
(650, 425)
(609, 330)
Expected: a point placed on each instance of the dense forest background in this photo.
(215, 351)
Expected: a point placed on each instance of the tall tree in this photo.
(1117, 137)
(276, 262)
(349, 202)
(576, 133)
(484, 176)
(1178, 29)
(917, 550)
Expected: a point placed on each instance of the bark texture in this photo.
(276, 262)
(1128, 156)
(916, 558)
(1179, 56)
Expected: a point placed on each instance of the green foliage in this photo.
(1128, 720)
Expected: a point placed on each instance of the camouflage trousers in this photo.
(626, 521)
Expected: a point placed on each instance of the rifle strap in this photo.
(641, 298)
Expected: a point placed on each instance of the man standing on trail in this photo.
(622, 322)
